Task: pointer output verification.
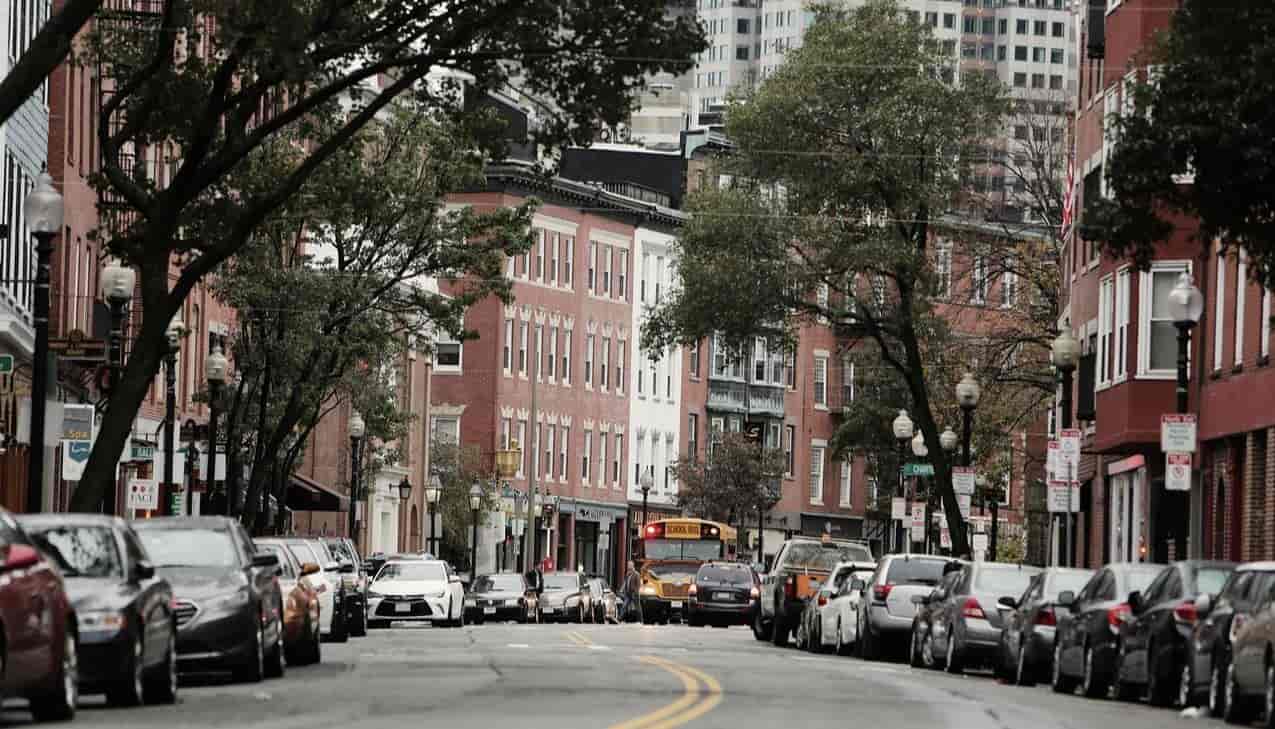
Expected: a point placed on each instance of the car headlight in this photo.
(571, 600)
(235, 599)
(648, 589)
(101, 621)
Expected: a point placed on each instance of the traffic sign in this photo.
(898, 508)
(6, 364)
(963, 479)
(1177, 433)
(1059, 500)
(1069, 447)
(945, 538)
(918, 469)
(76, 345)
(918, 516)
(980, 542)
(1177, 472)
(143, 494)
(964, 501)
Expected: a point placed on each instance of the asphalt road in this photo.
(606, 676)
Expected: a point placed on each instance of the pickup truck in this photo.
(801, 566)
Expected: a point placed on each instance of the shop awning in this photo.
(305, 494)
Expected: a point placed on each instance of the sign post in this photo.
(1177, 433)
(1177, 472)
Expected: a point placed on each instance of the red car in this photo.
(37, 628)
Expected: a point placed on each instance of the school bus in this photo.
(669, 554)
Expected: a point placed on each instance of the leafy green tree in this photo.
(1204, 110)
(731, 483)
(202, 89)
(458, 468)
(884, 140)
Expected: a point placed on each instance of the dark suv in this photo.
(722, 593)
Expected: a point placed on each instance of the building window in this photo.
(846, 470)
(553, 257)
(540, 255)
(540, 353)
(695, 360)
(943, 270)
(602, 460)
(445, 429)
(978, 286)
(1057, 56)
(1002, 53)
(508, 358)
(821, 381)
(641, 379)
(549, 432)
(1121, 352)
(608, 254)
(622, 277)
(1038, 82)
(790, 438)
(593, 266)
(790, 366)
(637, 458)
(522, 348)
(1040, 28)
(585, 454)
(1003, 26)
(692, 436)
(564, 437)
(1241, 288)
(1009, 284)
(447, 353)
(588, 360)
(619, 367)
(1219, 310)
(568, 259)
(646, 271)
(1157, 334)
(1056, 84)
(1020, 53)
(1038, 54)
(566, 358)
(659, 277)
(1264, 347)
(606, 363)
(615, 461)
(1060, 30)
(522, 446)
(552, 359)
(759, 359)
(1020, 82)
(1020, 27)
(535, 448)
(655, 381)
(949, 20)
(816, 474)
(1106, 302)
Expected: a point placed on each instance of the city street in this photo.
(630, 676)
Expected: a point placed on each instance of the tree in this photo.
(203, 88)
(48, 48)
(881, 141)
(731, 483)
(458, 468)
(1198, 140)
(315, 327)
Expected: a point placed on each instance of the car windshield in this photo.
(1210, 579)
(304, 553)
(725, 575)
(85, 551)
(285, 564)
(700, 550)
(562, 582)
(915, 571)
(499, 583)
(190, 547)
(412, 571)
(1009, 581)
(815, 556)
(1067, 581)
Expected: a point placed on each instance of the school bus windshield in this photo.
(698, 550)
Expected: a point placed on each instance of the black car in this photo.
(354, 579)
(1089, 626)
(1220, 614)
(1153, 644)
(127, 631)
(226, 599)
(1027, 635)
(497, 597)
(723, 593)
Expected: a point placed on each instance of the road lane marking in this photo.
(519, 645)
(690, 694)
(709, 703)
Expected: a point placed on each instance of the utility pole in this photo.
(529, 532)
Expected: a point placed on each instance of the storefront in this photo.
(1126, 510)
(594, 531)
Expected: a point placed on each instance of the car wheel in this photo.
(779, 631)
(340, 632)
(1090, 683)
(867, 643)
(1022, 672)
(360, 623)
(1237, 708)
(274, 667)
(1061, 682)
(761, 631)
(375, 624)
(1186, 685)
(1217, 688)
(1268, 699)
(955, 664)
(130, 690)
(58, 703)
(161, 686)
(254, 669)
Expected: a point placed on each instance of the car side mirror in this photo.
(347, 568)
(143, 570)
(1135, 601)
(309, 568)
(265, 559)
(1008, 602)
(1066, 599)
(1203, 604)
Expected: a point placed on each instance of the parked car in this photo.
(844, 630)
(1221, 615)
(1089, 626)
(722, 593)
(1151, 656)
(820, 611)
(36, 616)
(303, 613)
(565, 597)
(605, 603)
(373, 564)
(228, 604)
(1027, 637)
(921, 652)
(354, 580)
(1250, 676)
(887, 608)
(418, 591)
(330, 582)
(123, 610)
(800, 566)
(497, 597)
(966, 626)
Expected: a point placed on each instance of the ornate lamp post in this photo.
(948, 440)
(968, 393)
(356, 428)
(1065, 353)
(921, 451)
(432, 493)
(44, 212)
(1186, 305)
(117, 283)
(902, 427)
(176, 330)
(404, 494)
(475, 503)
(644, 485)
(216, 369)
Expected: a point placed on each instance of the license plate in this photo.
(723, 596)
(677, 603)
(403, 607)
(489, 611)
(511, 603)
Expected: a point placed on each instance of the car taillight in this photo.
(694, 590)
(1117, 615)
(1046, 617)
(971, 609)
(790, 588)
(823, 599)
(881, 592)
(1185, 613)
(754, 593)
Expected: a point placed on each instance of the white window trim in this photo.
(1124, 282)
(1219, 308)
(1109, 107)
(1106, 333)
(1144, 320)
(1241, 289)
(442, 337)
(846, 498)
(553, 354)
(1264, 347)
(564, 463)
(508, 367)
(821, 447)
(602, 460)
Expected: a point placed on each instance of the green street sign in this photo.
(918, 469)
(6, 364)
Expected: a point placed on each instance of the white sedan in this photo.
(417, 591)
(840, 626)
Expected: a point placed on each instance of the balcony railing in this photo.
(737, 397)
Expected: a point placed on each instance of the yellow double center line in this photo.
(701, 693)
(578, 638)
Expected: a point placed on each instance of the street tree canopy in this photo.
(1204, 112)
(847, 158)
(732, 483)
(202, 88)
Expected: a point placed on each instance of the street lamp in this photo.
(355, 427)
(902, 427)
(948, 440)
(432, 493)
(176, 330)
(644, 484)
(1065, 353)
(919, 449)
(43, 210)
(1186, 305)
(475, 502)
(216, 369)
(968, 394)
(117, 284)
